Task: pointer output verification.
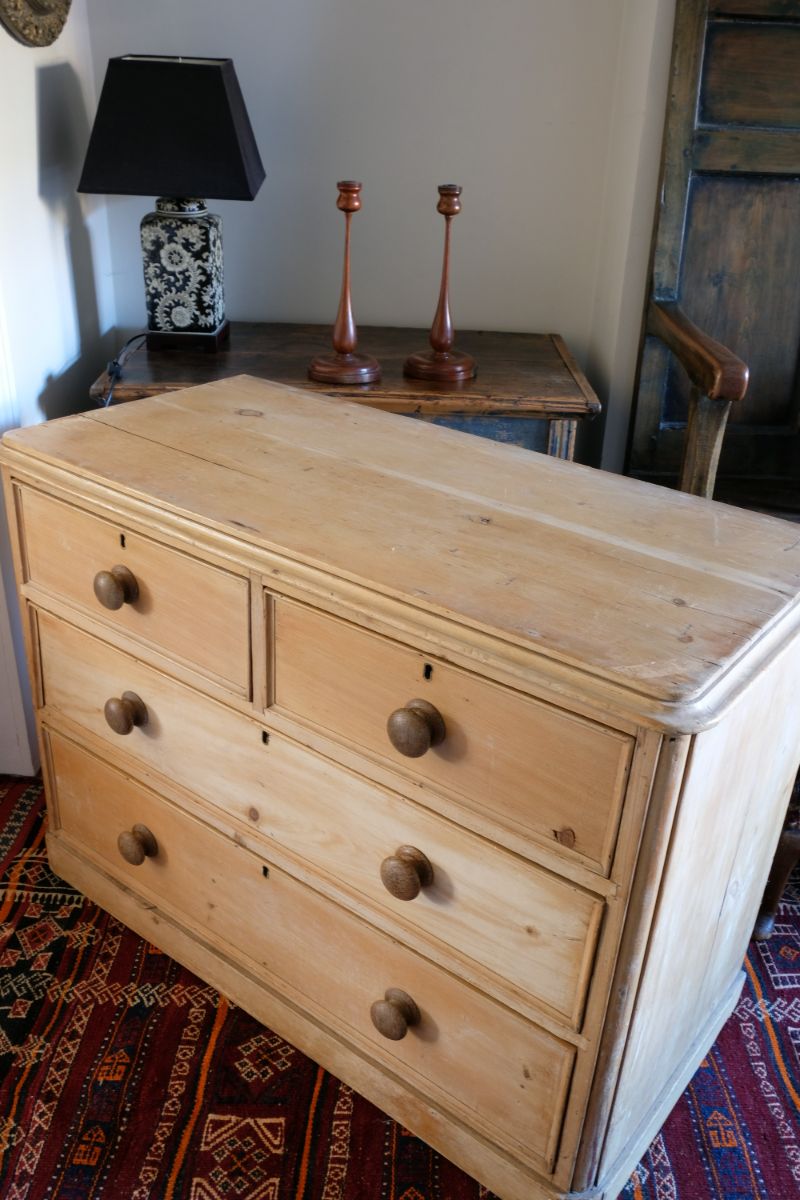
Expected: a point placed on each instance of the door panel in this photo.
(743, 234)
(727, 242)
(751, 75)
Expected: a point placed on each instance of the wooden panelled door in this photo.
(727, 243)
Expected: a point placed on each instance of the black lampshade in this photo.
(172, 127)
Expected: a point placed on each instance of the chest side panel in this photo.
(734, 798)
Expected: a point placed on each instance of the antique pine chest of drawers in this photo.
(460, 767)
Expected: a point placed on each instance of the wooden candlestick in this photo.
(443, 362)
(345, 366)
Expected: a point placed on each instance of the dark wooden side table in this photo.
(529, 390)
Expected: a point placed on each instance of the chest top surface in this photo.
(659, 594)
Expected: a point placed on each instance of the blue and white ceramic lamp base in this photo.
(183, 278)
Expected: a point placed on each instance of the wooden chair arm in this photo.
(717, 372)
(718, 378)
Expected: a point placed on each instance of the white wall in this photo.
(628, 208)
(18, 753)
(56, 299)
(54, 250)
(548, 112)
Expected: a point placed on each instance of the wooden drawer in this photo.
(534, 766)
(467, 1053)
(527, 926)
(189, 609)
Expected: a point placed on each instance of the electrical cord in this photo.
(114, 368)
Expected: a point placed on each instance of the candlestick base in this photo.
(443, 366)
(344, 368)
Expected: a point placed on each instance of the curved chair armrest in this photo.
(717, 372)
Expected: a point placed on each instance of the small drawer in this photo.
(462, 1049)
(188, 609)
(533, 765)
(202, 745)
(530, 928)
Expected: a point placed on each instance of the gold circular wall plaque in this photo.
(34, 22)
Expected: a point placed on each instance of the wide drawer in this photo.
(189, 609)
(469, 1054)
(529, 927)
(534, 766)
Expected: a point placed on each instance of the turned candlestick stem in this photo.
(443, 362)
(345, 365)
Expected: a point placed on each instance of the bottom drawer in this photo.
(489, 1066)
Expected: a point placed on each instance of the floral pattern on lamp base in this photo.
(182, 253)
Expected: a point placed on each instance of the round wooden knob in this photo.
(116, 587)
(124, 712)
(414, 729)
(405, 872)
(393, 1015)
(137, 844)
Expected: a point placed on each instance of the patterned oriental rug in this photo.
(123, 1077)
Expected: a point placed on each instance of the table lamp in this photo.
(178, 129)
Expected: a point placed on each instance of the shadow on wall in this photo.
(63, 134)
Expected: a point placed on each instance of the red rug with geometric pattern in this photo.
(124, 1077)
